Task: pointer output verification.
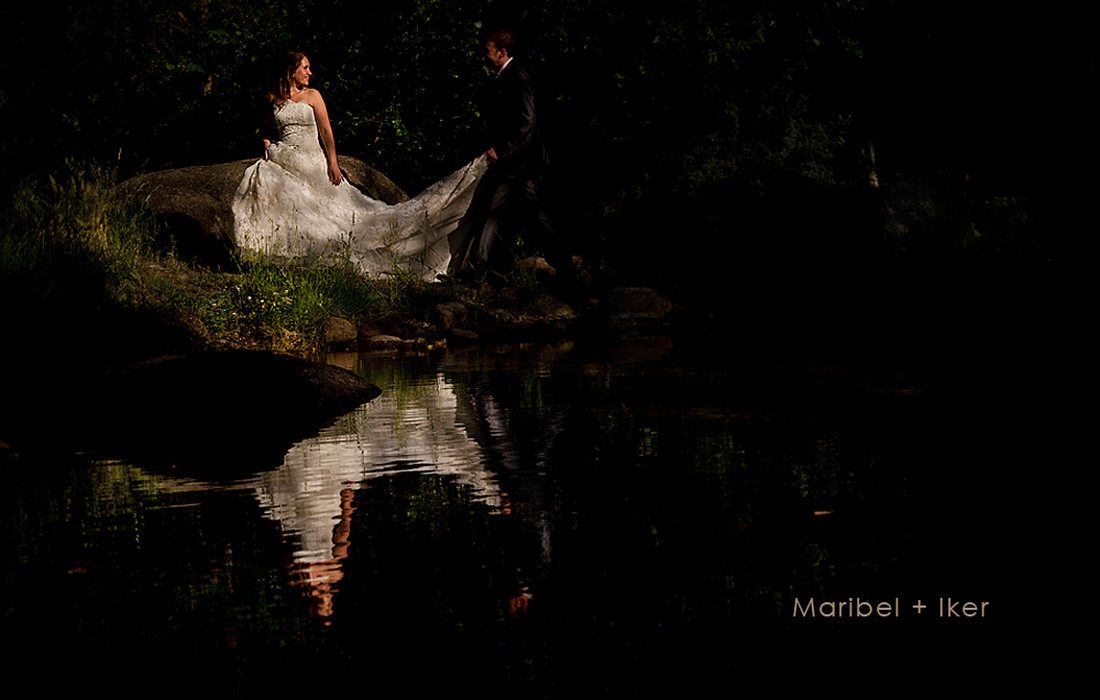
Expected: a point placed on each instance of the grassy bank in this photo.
(74, 250)
(270, 306)
(73, 246)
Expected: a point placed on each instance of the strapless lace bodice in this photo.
(297, 125)
(287, 209)
(298, 149)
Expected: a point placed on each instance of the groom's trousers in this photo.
(515, 204)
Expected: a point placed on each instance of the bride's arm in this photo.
(325, 130)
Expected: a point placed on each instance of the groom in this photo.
(517, 157)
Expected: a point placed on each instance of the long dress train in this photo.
(286, 209)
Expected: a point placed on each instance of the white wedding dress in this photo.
(286, 209)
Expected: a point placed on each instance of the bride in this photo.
(295, 206)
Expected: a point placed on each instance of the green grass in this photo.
(75, 242)
(284, 308)
(74, 238)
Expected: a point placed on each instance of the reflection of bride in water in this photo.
(417, 431)
(425, 424)
(430, 426)
(296, 206)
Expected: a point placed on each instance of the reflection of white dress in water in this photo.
(286, 209)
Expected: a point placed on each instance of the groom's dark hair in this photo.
(502, 39)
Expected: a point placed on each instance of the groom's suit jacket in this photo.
(511, 123)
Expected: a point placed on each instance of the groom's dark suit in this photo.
(511, 130)
(511, 122)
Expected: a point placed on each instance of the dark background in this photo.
(718, 150)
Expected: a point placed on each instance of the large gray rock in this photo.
(204, 193)
(244, 407)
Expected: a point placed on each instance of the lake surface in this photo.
(593, 523)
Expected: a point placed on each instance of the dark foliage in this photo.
(726, 122)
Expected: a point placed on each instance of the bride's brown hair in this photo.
(292, 59)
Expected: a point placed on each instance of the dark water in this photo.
(592, 525)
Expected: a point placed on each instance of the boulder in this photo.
(234, 405)
(237, 384)
(339, 331)
(449, 314)
(198, 200)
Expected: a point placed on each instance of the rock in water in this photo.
(227, 405)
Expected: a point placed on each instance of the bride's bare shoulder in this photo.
(312, 97)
